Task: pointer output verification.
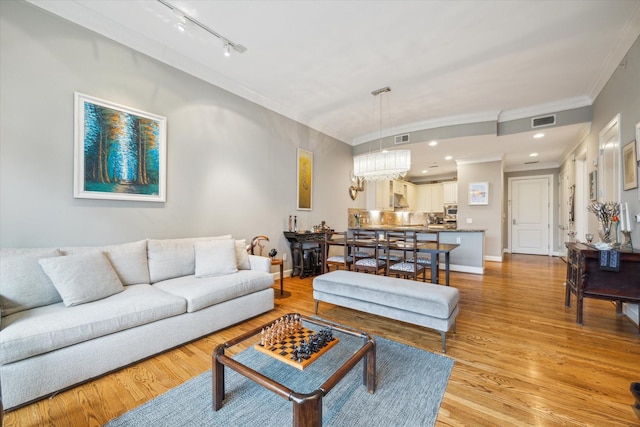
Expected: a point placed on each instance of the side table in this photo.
(280, 262)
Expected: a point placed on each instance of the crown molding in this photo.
(626, 39)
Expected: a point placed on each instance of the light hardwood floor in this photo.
(520, 358)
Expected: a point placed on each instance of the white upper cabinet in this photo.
(429, 198)
(450, 192)
(380, 194)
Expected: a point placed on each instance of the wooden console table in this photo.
(585, 279)
(307, 252)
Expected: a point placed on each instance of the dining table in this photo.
(434, 249)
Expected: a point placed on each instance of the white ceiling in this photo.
(447, 62)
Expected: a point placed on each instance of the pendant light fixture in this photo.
(382, 164)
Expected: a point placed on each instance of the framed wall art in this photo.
(479, 193)
(629, 166)
(593, 185)
(304, 179)
(119, 152)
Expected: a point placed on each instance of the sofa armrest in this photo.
(260, 263)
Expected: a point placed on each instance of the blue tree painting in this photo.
(121, 152)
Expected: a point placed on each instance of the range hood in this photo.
(399, 201)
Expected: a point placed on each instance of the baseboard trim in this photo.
(464, 268)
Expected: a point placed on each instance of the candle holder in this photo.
(626, 244)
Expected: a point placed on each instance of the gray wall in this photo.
(231, 163)
(621, 95)
(484, 217)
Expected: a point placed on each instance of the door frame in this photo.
(552, 210)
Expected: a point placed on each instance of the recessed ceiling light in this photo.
(425, 171)
(539, 135)
(433, 143)
(533, 155)
(448, 158)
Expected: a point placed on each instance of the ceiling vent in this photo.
(538, 122)
(401, 139)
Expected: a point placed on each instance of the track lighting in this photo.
(227, 52)
(181, 25)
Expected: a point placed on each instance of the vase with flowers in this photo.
(605, 212)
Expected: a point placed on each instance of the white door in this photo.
(530, 220)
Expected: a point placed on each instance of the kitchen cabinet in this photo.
(380, 194)
(450, 192)
(411, 196)
(384, 196)
(429, 198)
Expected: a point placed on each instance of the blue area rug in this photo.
(410, 386)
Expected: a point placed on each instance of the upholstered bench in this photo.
(423, 304)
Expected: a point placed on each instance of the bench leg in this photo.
(444, 341)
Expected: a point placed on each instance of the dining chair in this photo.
(367, 239)
(409, 269)
(344, 260)
(392, 248)
(425, 237)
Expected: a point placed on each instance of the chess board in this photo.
(283, 350)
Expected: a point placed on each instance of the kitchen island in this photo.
(468, 257)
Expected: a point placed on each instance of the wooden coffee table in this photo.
(307, 407)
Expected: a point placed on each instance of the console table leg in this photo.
(579, 304)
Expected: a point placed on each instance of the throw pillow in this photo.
(169, 258)
(242, 256)
(82, 278)
(23, 284)
(215, 258)
(129, 260)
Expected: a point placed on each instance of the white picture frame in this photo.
(120, 153)
(478, 193)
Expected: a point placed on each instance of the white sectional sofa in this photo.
(72, 314)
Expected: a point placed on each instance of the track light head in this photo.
(181, 25)
(227, 50)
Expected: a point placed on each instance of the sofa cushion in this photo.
(43, 329)
(169, 258)
(207, 291)
(401, 294)
(242, 257)
(215, 258)
(23, 283)
(129, 260)
(82, 278)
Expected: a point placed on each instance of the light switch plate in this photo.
(469, 220)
